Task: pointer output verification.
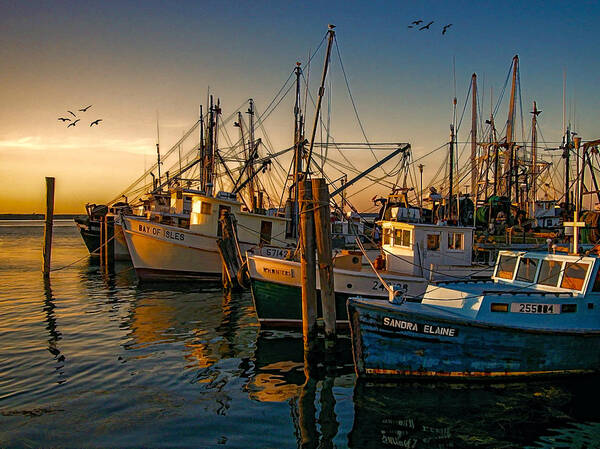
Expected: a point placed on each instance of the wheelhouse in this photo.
(550, 272)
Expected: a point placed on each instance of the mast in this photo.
(209, 155)
(251, 155)
(509, 161)
(292, 229)
(567, 158)
(158, 147)
(474, 171)
(451, 158)
(320, 98)
(201, 147)
(535, 113)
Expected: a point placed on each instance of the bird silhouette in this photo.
(72, 113)
(63, 119)
(410, 26)
(417, 22)
(446, 28)
(95, 122)
(72, 124)
(86, 108)
(426, 27)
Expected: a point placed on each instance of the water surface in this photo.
(92, 359)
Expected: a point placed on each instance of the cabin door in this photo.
(266, 227)
(222, 211)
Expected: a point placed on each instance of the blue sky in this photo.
(132, 59)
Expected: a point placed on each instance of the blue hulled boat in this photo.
(539, 315)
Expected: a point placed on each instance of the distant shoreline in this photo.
(37, 216)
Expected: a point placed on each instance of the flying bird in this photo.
(417, 22)
(446, 28)
(86, 108)
(62, 119)
(72, 113)
(72, 124)
(426, 27)
(410, 26)
(95, 122)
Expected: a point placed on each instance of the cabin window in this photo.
(527, 269)
(265, 232)
(205, 208)
(402, 237)
(574, 275)
(338, 228)
(506, 267)
(455, 241)
(433, 242)
(387, 236)
(549, 272)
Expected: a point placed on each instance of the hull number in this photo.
(544, 309)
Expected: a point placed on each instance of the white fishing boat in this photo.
(184, 245)
(412, 254)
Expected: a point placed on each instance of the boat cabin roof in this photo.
(423, 226)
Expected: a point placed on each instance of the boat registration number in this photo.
(525, 307)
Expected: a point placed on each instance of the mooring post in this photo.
(47, 252)
(102, 247)
(109, 248)
(320, 192)
(308, 267)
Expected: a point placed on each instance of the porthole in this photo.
(349, 285)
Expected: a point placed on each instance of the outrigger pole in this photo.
(401, 149)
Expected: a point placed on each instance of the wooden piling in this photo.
(231, 257)
(102, 247)
(308, 267)
(322, 215)
(109, 248)
(47, 250)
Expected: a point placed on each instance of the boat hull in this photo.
(404, 341)
(164, 253)
(277, 293)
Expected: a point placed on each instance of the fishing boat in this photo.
(162, 251)
(89, 228)
(539, 315)
(411, 255)
(179, 242)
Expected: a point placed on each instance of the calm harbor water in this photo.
(91, 359)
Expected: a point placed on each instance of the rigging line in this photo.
(503, 91)
(520, 101)
(280, 90)
(333, 142)
(333, 163)
(429, 154)
(362, 129)
(464, 109)
(153, 166)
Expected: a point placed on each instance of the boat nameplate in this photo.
(419, 328)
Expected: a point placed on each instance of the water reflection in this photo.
(283, 374)
(439, 415)
(53, 332)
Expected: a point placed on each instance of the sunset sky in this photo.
(131, 60)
